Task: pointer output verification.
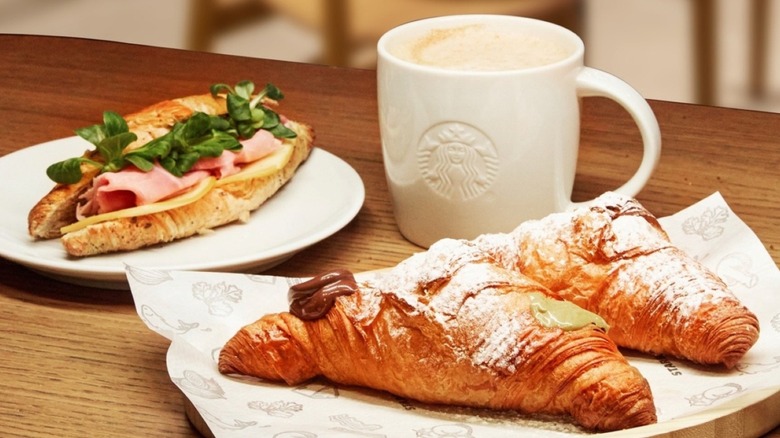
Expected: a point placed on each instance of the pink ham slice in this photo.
(257, 147)
(131, 187)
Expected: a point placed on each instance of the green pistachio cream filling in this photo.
(563, 314)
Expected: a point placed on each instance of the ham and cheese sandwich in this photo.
(171, 170)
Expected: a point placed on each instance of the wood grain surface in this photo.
(78, 361)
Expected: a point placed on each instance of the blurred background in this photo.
(714, 52)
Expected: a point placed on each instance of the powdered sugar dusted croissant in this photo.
(451, 327)
(614, 259)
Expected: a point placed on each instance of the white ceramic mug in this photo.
(470, 151)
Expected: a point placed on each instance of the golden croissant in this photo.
(614, 259)
(449, 326)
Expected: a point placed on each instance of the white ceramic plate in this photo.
(322, 197)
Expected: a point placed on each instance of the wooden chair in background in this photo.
(211, 18)
(350, 28)
(705, 45)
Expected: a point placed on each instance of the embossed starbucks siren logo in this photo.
(457, 160)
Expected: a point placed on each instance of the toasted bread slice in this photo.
(58, 208)
(223, 204)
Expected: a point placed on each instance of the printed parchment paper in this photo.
(199, 311)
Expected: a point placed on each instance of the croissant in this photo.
(449, 326)
(614, 259)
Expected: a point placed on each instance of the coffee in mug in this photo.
(478, 47)
(479, 119)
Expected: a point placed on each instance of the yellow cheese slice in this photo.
(190, 196)
(265, 166)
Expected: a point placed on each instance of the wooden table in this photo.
(78, 361)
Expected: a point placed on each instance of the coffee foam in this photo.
(479, 48)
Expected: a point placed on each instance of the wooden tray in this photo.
(751, 415)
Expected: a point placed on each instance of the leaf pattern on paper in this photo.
(710, 396)
(737, 269)
(262, 279)
(195, 384)
(148, 277)
(758, 368)
(235, 425)
(353, 423)
(155, 320)
(708, 225)
(279, 408)
(446, 431)
(776, 322)
(218, 297)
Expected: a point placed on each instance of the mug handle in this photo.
(596, 83)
